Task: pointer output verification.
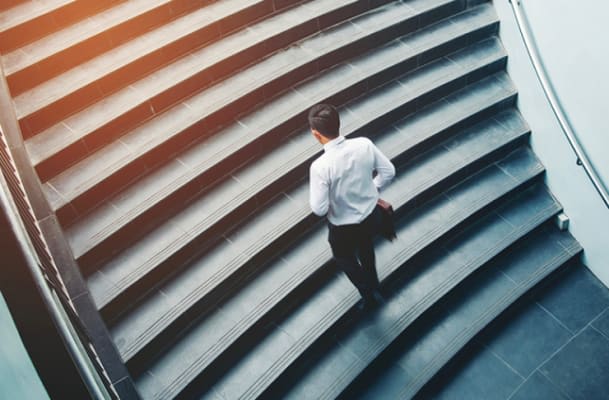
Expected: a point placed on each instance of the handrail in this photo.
(54, 254)
(549, 92)
(48, 297)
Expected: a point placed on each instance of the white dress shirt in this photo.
(341, 180)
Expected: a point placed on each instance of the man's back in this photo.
(345, 172)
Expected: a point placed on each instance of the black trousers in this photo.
(353, 251)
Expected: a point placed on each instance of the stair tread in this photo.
(243, 381)
(27, 11)
(54, 139)
(91, 71)
(32, 53)
(312, 247)
(415, 130)
(127, 334)
(464, 313)
(476, 322)
(203, 156)
(192, 285)
(399, 193)
(180, 182)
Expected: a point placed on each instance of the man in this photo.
(344, 188)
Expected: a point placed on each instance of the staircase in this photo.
(170, 138)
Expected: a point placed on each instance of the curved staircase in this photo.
(170, 138)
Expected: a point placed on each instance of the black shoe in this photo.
(372, 301)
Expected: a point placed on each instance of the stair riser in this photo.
(268, 141)
(247, 272)
(209, 237)
(400, 276)
(106, 134)
(200, 245)
(46, 24)
(109, 133)
(115, 80)
(427, 143)
(296, 174)
(497, 311)
(468, 170)
(122, 77)
(257, 332)
(258, 262)
(342, 323)
(54, 65)
(292, 301)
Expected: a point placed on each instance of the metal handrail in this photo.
(49, 298)
(555, 104)
(55, 256)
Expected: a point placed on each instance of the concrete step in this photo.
(206, 218)
(171, 140)
(98, 124)
(217, 272)
(184, 183)
(319, 317)
(475, 103)
(139, 151)
(34, 63)
(54, 100)
(22, 22)
(317, 252)
(426, 346)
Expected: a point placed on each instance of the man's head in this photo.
(324, 122)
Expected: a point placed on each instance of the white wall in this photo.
(573, 41)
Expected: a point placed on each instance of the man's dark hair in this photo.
(324, 119)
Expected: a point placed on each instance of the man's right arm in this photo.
(319, 199)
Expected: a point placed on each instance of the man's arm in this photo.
(318, 192)
(385, 171)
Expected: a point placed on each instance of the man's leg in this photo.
(343, 243)
(368, 262)
(356, 275)
(365, 248)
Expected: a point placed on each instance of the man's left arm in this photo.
(385, 171)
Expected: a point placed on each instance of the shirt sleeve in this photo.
(385, 171)
(319, 197)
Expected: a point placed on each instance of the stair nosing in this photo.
(405, 202)
(449, 284)
(423, 187)
(459, 119)
(66, 45)
(340, 309)
(461, 340)
(24, 110)
(216, 158)
(145, 99)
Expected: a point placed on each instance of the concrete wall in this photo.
(18, 377)
(572, 40)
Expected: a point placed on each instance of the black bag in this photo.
(386, 228)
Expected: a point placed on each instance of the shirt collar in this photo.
(333, 143)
